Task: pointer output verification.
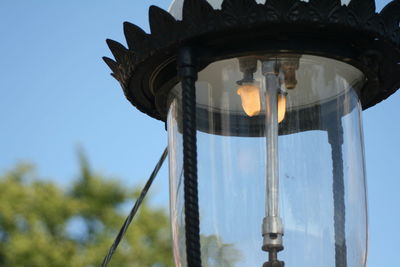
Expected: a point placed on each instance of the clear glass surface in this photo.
(322, 196)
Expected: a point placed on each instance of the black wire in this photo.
(135, 208)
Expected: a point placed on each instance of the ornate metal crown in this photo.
(354, 33)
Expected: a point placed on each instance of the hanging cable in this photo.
(134, 210)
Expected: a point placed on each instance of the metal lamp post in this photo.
(262, 101)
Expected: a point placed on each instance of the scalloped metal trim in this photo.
(200, 18)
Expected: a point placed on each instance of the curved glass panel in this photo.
(318, 188)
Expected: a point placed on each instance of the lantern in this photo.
(262, 102)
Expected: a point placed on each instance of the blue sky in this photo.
(56, 94)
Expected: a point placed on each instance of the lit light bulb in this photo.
(251, 103)
(281, 106)
(250, 96)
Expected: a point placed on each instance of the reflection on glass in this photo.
(321, 166)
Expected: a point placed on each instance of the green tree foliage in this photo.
(215, 253)
(43, 225)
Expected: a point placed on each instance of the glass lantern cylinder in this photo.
(295, 153)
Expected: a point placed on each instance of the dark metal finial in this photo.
(281, 5)
(325, 7)
(364, 9)
(112, 65)
(391, 17)
(162, 25)
(118, 50)
(134, 35)
(196, 9)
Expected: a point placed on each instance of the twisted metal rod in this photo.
(188, 74)
(335, 135)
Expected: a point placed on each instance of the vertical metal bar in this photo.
(187, 71)
(272, 228)
(335, 136)
(271, 128)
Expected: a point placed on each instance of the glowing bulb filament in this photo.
(281, 107)
(250, 96)
(251, 104)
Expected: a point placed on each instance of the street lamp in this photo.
(262, 101)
